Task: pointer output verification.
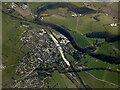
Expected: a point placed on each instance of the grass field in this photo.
(93, 62)
(101, 74)
(58, 79)
(105, 49)
(35, 5)
(11, 41)
(52, 83)
(7, 74)
(110, 8)
(78, 4)
(60, 20)
(93, 40)
(67, 81)
(106, 75)
(113, 30)
(94, 83)
(12, 51)
(69, 57)
(116, 44)
(80, 40)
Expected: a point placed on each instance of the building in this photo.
(24, 6)
(25, 25)
(113, 24)
(74, 15)
(13, 5)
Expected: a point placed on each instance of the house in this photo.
(42, 18)
(74, 15)
(13, 5)
(106, 14)
(113, 24)
(5, 3)
(24, 6)
(82, 15)
(25, 25)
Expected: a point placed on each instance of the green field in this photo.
(101, 74)
(66, 21)
(8, 74)
(69, 57)
(109, 76)
(105, 49)
(67, 81)
(93, 62)
(58, 79)
(11, 41)
(116, 44)
(35, 5)
(94, 83)
(80, 40)
(11, 51)
(52, 83)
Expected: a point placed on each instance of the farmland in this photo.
(12, 50)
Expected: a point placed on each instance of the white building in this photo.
(5, 3)
(113, 24)
(13, 5)
(74, 15)
(42, 18)
(106, 14)
(43, 32)
(24, 6)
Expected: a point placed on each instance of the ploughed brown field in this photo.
(24, 13)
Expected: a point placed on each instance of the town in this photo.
(43, 51)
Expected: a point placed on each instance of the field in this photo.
(92, 82)
(106, 75)
(11, 42)
(34, 5)
(67, 81)
(106, 49)
(12, 50)
(58, 80)
(101, 74)
(69, 57)
(92, 62)
(23, 12)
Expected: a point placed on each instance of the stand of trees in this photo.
(106, 35)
